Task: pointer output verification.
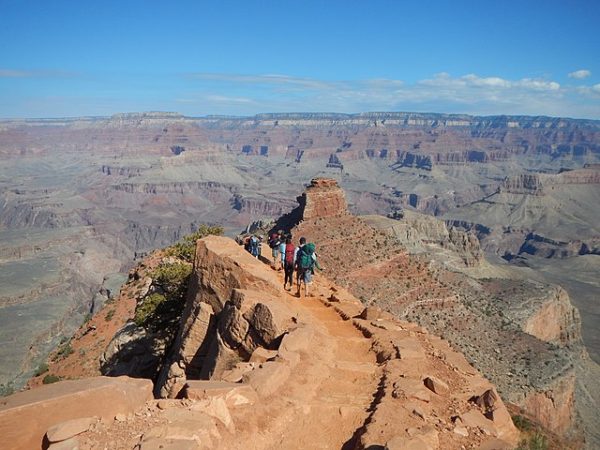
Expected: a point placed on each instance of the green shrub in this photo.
(148, 308)
(7, 389)
(538, 442)
(171, 277)
(522, 423)
(42, 368)
(535, 442)
(187, 246)
(49, 379)
(109, 315)
(63, 351)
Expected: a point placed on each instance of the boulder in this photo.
(234, 394)
(268, 378)
(261, 355)
(474, 419)
(69, 429)
(52, 404)
(436, 385)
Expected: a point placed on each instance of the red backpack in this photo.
(289, 253)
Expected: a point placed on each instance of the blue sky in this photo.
(71, 58)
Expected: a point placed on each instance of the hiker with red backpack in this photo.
(306, 261)
(289, 259)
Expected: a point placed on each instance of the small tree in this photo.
(185, 248)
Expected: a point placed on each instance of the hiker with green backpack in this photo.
(306, 261)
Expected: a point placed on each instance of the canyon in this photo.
(492, 198)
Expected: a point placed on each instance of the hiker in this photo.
(302, 242)
(306, 261)
(282, 245)
(289, 260)
(254, 246)
(274, 243)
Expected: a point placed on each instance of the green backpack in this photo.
(306, 259)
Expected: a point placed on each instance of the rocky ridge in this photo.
(346, 376)
(532, 337)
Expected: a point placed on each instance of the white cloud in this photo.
(580, 74)
(470, 93)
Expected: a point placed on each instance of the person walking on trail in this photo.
(289, 261)
(254, 246)
(301, 244)
(307, 261)
(274, 243)
(283, 243)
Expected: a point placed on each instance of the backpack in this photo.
(274, 241)
(305, 255)
(289, 253)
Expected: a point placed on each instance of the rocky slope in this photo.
(531, 341)
(249, 359)
(130, 183)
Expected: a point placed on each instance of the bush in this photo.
(536, 442)
(522, 423)
(49, 379)
(7, 389)
(171, 277)
(63, 351)
(148, 308)
(186, 248)
(42, 368)
(109, 315)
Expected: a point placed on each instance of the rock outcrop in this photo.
(250, 359)
(322, 198)
(554, 319)
(526, 359)
(26, 416)
(225, 318)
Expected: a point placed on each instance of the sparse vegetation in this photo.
(187, 246)
(42, 368)
(147, 308)
(109, 315)
(64, 350)
(167, 300)
(535, 442)
(522, 423)
(7, 389)
(49, 379)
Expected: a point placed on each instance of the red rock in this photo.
(261, 355)
(436, 385)
(69, 444)
(474, 419)
(234, 394)
(267, 379)
(323, 198)
(69, 429)
(51, 404)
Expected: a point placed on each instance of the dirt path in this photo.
(328, 396)
(323, 402)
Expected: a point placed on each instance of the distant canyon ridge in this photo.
(81, 198)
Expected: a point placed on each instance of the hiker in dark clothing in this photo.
(254, 246)
(289, 261)
(298, 271)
